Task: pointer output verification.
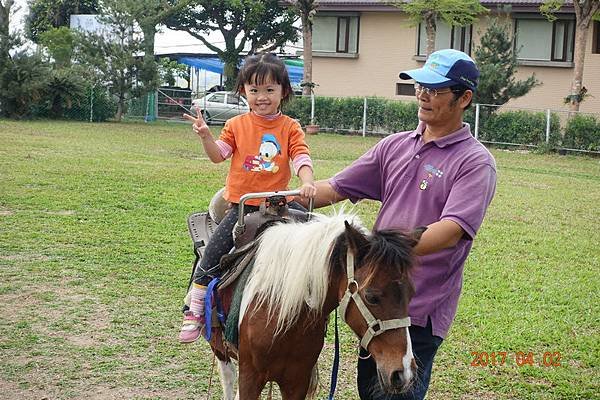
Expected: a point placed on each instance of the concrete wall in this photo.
(387, 44)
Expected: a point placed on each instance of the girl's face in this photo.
(264, 99)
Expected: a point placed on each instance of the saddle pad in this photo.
(232, 324)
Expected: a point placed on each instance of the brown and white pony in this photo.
(302, 272)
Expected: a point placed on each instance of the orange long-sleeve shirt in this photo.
(261, 154)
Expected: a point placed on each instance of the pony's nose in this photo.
(397, 379)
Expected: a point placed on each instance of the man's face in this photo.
(438, 108)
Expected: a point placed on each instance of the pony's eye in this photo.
(372, 298)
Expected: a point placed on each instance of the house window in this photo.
(405, 89)
(446, 37)
(336, 34)
(596, 38)
(542, 40)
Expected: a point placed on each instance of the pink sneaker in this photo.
(190, 328)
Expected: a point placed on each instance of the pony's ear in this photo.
(357, 242)
(415, 235)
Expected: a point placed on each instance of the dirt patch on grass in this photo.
(60, 212)
(11, 390)
(6, 213)
(480, 395)
(90, 329)
(109, 393)
(25, 257)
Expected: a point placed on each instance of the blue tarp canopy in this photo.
(213, 64)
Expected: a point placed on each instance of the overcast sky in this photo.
(16, 20)
(166, 41)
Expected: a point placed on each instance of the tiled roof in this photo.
(380, 5)
(387, 2)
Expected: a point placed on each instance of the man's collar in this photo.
(455, 137)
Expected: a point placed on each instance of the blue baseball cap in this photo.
(445, 68)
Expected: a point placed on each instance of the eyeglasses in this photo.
(432, 92)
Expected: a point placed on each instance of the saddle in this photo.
(239, 262)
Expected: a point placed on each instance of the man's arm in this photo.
(326, 195)
(438, 236)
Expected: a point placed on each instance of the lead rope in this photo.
(212, 371)
(336, 361)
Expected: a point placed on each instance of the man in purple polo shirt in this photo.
(437, 176)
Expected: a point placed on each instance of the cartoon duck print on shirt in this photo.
(269, 148)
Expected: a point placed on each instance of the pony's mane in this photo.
(389, 249)
(292, 267)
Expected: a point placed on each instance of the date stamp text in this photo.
(519, 358)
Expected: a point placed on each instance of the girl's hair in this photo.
(263, 68)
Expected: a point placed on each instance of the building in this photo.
(359, 47)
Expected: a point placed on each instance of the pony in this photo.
(304, 271)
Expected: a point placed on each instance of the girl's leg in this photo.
(219, 244)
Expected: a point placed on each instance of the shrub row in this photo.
(384, 115)
(102, 104)
(582, 132)
(522, 127)
(346, 114)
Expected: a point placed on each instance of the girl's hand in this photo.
(308, 190)
(199, 125)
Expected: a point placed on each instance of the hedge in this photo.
(387, 116)
(582, 132)
(104, 106)
(522, 127)
(346, 114)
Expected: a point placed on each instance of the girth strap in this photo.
(375, 326)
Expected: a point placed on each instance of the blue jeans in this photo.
(424, 346)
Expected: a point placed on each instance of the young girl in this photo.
(261, 145)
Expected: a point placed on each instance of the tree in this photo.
(149, 14)
(47, 14)
(7, 40)
(64, 84)
(59, 42)
(22, 84)
(585, 11)
(307, 9)
(21, 75)
(497, 64)
(263, 25)
(112, 55)
(453, 12)
(63, 88)
(169, 71)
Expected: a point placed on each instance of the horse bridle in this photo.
(375, 326)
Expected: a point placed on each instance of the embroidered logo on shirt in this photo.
(433, 170)
(430, 172)
(269, 148)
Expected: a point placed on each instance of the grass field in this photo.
(95, 257)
